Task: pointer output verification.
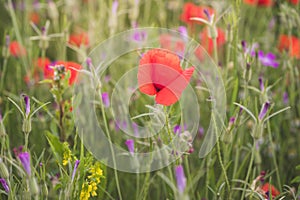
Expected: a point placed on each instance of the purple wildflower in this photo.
(105, 99)
(285, 98)
(180, 178)
(231, 120)
(206, 12)
(89, 62)
(178, 129)
(264, 110)
(0, 117)
(36, 4)
(244, 45)
(201, 131)
(135, 128)
(4, 185)
(27, 104)
(250, 50)
(183, 31)
(7, 40)
(75, 169)
(261, 84)
(130, 145)
(268, 59)
(115, 7)
(139, 35)
(25, 160)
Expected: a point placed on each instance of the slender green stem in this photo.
(26, 141)
(274, 156)
(223, 169)
(249, 169)
(215, 50)
(3, 73)
(111, 148)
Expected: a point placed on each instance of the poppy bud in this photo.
(3, 170)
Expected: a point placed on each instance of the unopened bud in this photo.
(26, 127)
(3, 170)
(34, 188)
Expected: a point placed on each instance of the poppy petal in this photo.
(172, 92)
(145, 81)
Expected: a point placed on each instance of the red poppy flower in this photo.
(191, 10)
(290, 44)
(72, 66)
(262, 3)
(160, 74)
(41, 63)
(295, 2)
(34, 17)
(16, 49)
(266, 188)
(79, 39)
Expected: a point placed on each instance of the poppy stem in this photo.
(215, 50)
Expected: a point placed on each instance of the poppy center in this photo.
(158, 87)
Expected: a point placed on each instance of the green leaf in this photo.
(296, 180)
(45, 81)
(56, 146)
(298, 167)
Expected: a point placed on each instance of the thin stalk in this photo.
(3, 73)
(274, 157)
(26, 141)
(249, 169)
(223, 169)
(111, 147)
(215, 51)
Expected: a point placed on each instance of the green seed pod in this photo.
(3, 170)
(258, 130)
(34, 188)
(2, 129)
(26, 127)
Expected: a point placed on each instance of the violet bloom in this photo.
(285, 98)
(268, 59)
(250, 50)
(180, 178)
(135, 128)
(75, 169)
(7, 40)
(89, 63)
(105, 99)
(178, 129)
(4, 185)
(183, 31)
(130, 145)
(206, 12)
(25, 160)
(115, 7)
(0, 117)
(231, 120)
(27, 104)
(139, 36)
(264, 110)
(261, 84)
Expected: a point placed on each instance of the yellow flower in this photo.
(67, 156)
(89, 188)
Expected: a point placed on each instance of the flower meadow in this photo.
(150, 99)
